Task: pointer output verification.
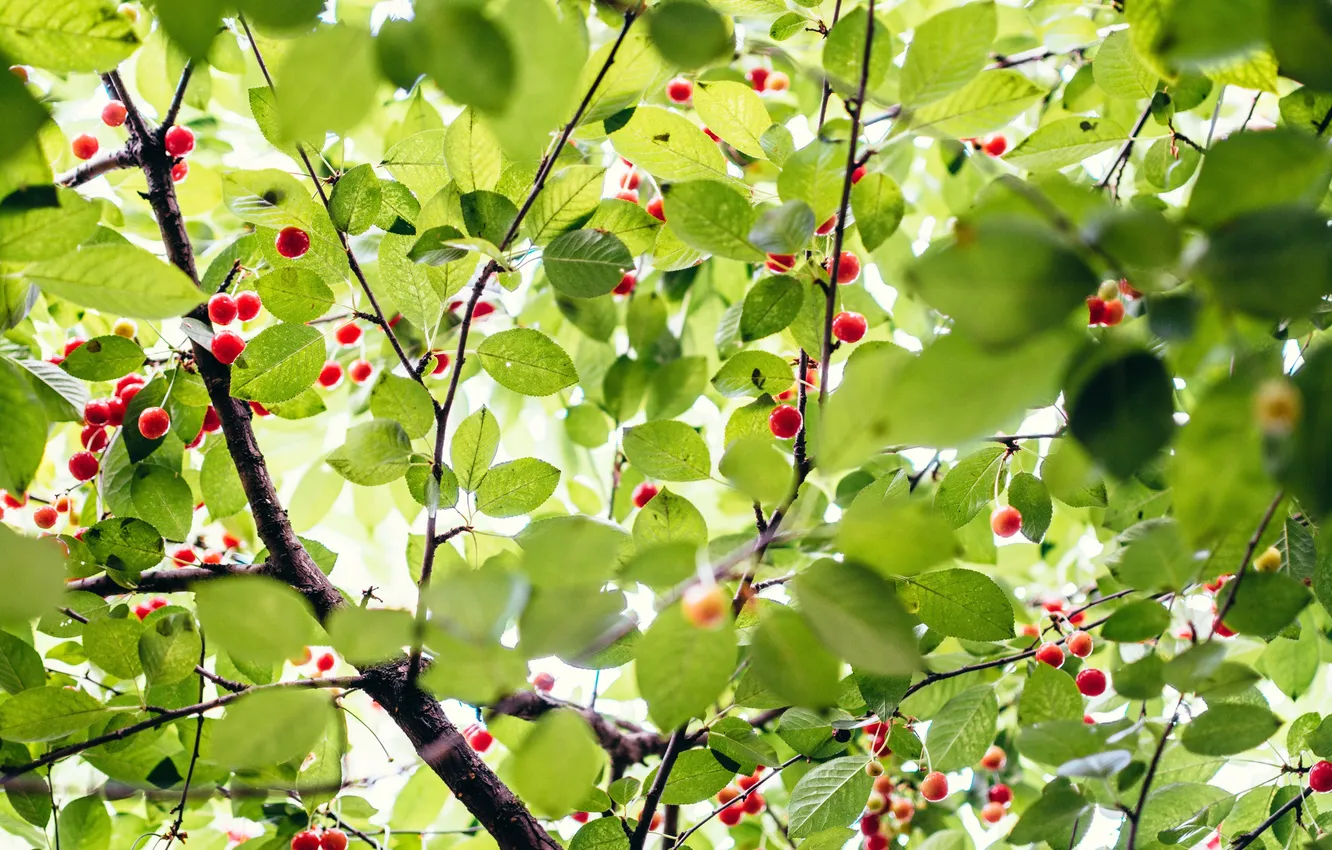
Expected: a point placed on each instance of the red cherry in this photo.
(1053, 606)
(197, 441)
(994, 758)
(704, 607)
(132, 378)
(849, 327)
(644, 492)
(222, 309)
(1222, 629)
(142, 611)
(996, 146)
(543, 682)
(73, 344)
(747, 782)
(1089, 720)
(627, 195)
(184, 555)
(333, 839)
(1001, 794)
(480, 740)
(1095, 310)
(727, 794)
(580, 817)
(45, 516)
(1030, 630)
(12, 502)
(655, 824)
(113, 114)
(441, 363)
(230, 541)
(360, 371)
(626, 284)
(784, 421)
(1077, 617)
(758, 78)
(325, 662)
(1080, 644)
(348, 334)
(857, 174)
(227, 346)
(212, 423)
(934, 787)
(878, 841)
(631, 179)
(1114, 312)
(115, 410)
(827, 227)
(780, 263)
(331, 375)
(869, 824)
(731, 815)
(248, 304)
(655, 208)
(154, 423)
(93, 438)
(1126, 289)
(1006, 522)
(129, 392)
(178, 140)
(848, 268)
(62, 505)
(483, 309)
(1320, 777)
(83, 466)
(84, 146)
(1051, 654)
(754, 803)
(992, 812)
(679, 90)
(307, 840)
(19, 71)
(777, 81)
(292, 242)
(96, 413)
(1090, 682)
(180, 171)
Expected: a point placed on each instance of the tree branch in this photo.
(1252, 835)
(1233, 586)
(1122, 159)
(625, 743)
(1136, 815)
(173, 111)
(738, 801)
(164, 580)
(124, 157)
(673, 748)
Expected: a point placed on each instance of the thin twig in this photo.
(1252, 835)
(173, 111)
(174, 830)
(1122, 159)
(346, 827)
(737, 801)
(1136, 814)
(654, 793)
(1233, 586)
(123, 157)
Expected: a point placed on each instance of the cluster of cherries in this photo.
(994, 146)
(325, 662)
(223, 309)
(478, 738)
(177, 140)
(741, 799)
(1106, 307)
(681, 89)
(327, 839)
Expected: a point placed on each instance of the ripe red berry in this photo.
(1006, 522)
(325, 662)
(331, 375)
(154, 423)
(128, 393)
(180, 171)
(626, 284)
(480, 740)
(333, 839)
(995, 758)
(197, 441)
(992, 812)
(45, 516)
(230, 541)
(1090, 682)
(227, 346)
(1000, 793)
(704, 607)
(778, 81)
(84, 146)
(631, 179)
(222, 309)
(878, 841)
(1051, 654)
(747, 782)
(113, 114)
(857, 174)
(348, 334)
(307, 840)
(184, 555)
(292, 242)
(543, 682)
(96, 412)
(656, 209)
(780, 263)
(132, 378)
(580, 817)
(62, 505)
(360, 371)
(1114, 312)
(1095, 310)
(1222, 630)
(19, 71)
(115, 411)
(248, 304)
(1053, 606)
(849, 327)
(848, 268)
(869, 823)
(1080, 644)
(731, 815)
(179, 140)
(784, 421)
(727, 794)
(1126, 289)
(13, 502)
(758, 78)
(680, 90)
(627, 195)
(934, 787)
(1030, 630)
(483, 309)
(644, 492)
(996, 146)
(441, 363)
(73, 344)
(754, 803)
(83, 466)
(827, 227)
(1320, 777)
(211, 422)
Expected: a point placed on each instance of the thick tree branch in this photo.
(123, 157)
(163, 580)
(624, 742)
(673, 748)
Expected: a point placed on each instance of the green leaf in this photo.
(417, 161)
(1248, 171)
(668, 450)
(488, 215)
(947, 51)
(46, 714)
(1228, 729)
(377, 452)
(294, 294)
(1057, 813)
(437, 246)
(1265, 603)
(857, 615)
(326, 82)
(355, 202)
(270, 727)
(712, 217)
(689, 33)
(104, 358)
(23, 439)
(61, 396)
(1048, 694)
(527, 361)
(787, 25)
(878, 204)
(404, 401)
(370, 635)
(770, 306)
(24, 117)
(84, 824)
(472, 153)
(164, 498)
(38, 227)
(963, 729)
(815, 174)
(125, 544)
(1122, 412)
(1154, 555)
(1029, 495)
(669, 518)
(169, 647)
(735, 112)
(567, 202)
(286, 615)
(970, 485)
(473, 448)
(1139, 620)
(668, 146)
(468, 55)
(1283, 269)
(75, 35)
(1033, 281)
(113, 644)
(517, 487)
(785, 229)
(681, 669)
(831, 795)
(844, 53)
(987, 103)
(586, 263)
(697, 775)
(279, 364)
(960, 603)
(753, 373)
(922, 538)
(600, 834)
(1066, 142)
(1119, 72)
(120, 279)
(788, 657)
(20, 665)
(738, 741)
(560, 737)
(571, 550)
(220, 483)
